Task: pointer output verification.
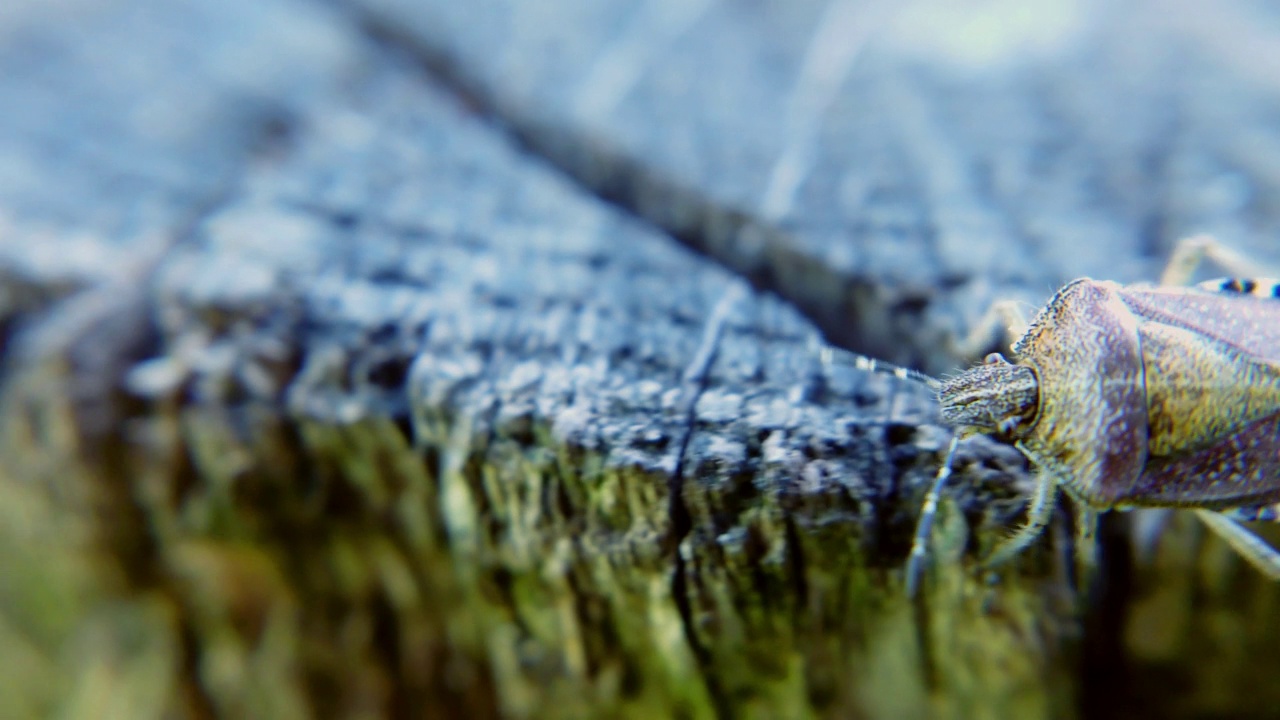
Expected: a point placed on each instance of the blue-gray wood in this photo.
(415, 358)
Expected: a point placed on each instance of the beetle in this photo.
(1135, 396)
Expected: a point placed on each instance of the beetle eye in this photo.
(995, 358)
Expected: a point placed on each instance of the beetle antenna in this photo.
(836, 356)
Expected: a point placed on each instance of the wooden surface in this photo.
(387, 359)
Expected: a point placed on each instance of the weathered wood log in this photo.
(890, 169)
(324, 397)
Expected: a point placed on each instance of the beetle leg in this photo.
(1259, 554)
(1147, 525)
(1191, 251)
(1086, 544)
(1038, 514)
(924, 526)
(1004, 320)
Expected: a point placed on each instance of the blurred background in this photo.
(371, 358)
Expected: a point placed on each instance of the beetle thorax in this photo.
(995, 398)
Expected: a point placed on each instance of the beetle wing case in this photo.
(1212, 364)
(1158, 397)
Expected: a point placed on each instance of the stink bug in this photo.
(1135, 397)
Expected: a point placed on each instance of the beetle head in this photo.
(995, 398)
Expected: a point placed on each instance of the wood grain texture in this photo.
(333, 387)
(891, 168)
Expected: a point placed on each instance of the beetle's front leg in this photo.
(1038, 514)
(1003, 320)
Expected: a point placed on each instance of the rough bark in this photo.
(335, 388)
